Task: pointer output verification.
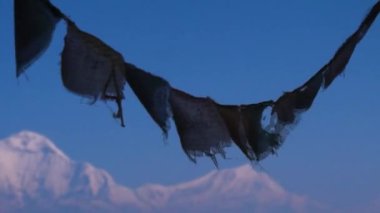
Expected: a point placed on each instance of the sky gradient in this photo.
(234, 52)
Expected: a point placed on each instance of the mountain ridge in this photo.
(36, 174)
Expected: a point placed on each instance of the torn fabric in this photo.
(246, 130)
(153, 92)
(201, 129)
(35, 22)
(262, 142)
(92, 69)
(232, 117)
(341, 58)
(288, 108)
(293, 103)
(298, 100)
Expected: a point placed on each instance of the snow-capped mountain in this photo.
(35, 173)
(35, 176)
(232, 190)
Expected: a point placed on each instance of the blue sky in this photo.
(234, 51)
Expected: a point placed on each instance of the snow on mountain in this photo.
(240, 189)
(33, 171)
(35, 176)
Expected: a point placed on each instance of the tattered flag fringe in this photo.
(200, 127)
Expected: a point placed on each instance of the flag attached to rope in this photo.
(92, 69)
(35, 22)
(153, 92)
(201, 129)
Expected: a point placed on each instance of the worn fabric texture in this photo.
(91, 68)
(35, 22)
(201, 129)
(153, 92)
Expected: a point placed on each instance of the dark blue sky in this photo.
(234, 51)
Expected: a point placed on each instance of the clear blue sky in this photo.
(234, 51)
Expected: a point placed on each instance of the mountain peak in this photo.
(32, 142)
(36, 174)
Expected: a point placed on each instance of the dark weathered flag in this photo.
(35, 22)
(246, 129)
(91, 68)
(201, 129)
(153, 92)
(342, 56)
